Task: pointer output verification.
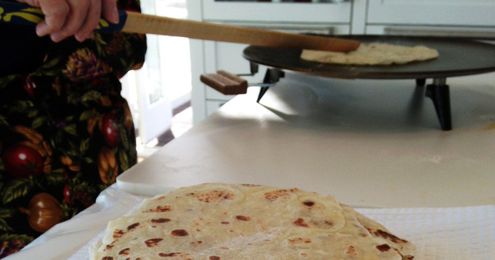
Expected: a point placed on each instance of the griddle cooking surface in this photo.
(458, 57)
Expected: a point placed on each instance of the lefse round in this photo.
(373, 54)
(225, 221)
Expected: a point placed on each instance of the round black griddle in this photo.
(458, 57)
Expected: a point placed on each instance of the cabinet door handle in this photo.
(440, 32)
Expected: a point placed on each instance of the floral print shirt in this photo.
(65, 132)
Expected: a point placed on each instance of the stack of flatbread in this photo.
(373, 54)
(223, 221)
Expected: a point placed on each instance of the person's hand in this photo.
(65, 18)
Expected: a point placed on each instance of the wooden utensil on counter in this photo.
(11, 12)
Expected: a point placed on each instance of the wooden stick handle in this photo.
(141, 23)
(19, 13)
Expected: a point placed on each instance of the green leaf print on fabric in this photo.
(4, 215)
(71, 129)
(21, 106)
(32, 113)
(124, 160)
(124, 140)
(55, 178)
(16, 189)
(5, 81)
(19, 237)
(84, 146)
(87, 115)
(91, 96)
(4, 226)
(38, 122)
(3, 121)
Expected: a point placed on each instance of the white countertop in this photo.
(362, 141)
(369, 143)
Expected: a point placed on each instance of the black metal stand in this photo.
(272, 76)
(440, 95)
(420, 82)
(438, 92)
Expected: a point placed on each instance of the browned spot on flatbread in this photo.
(213, 196)
(299, 240)
(152, 242)
(179, 233)
(328, 222)
(351, 251)
(118, 233)
(107, 258)
(273, 195)
(383, 248)
(160, 220)
(159, 208)
(214, 257)
(242, 218)
(133, 226)
(309, 203)
(124, 251)
(181, 255)
(300, 222)
(389, 236)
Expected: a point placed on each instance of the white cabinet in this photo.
(432, 12)
(277, 11)
(469, 18)
(474, 18)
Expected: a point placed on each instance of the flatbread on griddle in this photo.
(224, 221)
(373, 54)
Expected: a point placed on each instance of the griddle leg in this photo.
(420, 82)
(440, 95)
(263, 90)
(272, 76)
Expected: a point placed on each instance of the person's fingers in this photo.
(64, 18)
(77, 16)
(55, 12)
(91, 22)
(109, 10)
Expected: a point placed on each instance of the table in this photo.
(369, 143)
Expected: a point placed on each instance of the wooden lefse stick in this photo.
(142, 23)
